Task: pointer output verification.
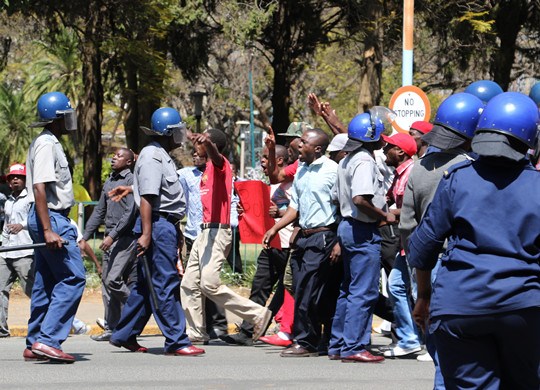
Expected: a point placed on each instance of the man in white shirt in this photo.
(18, 263)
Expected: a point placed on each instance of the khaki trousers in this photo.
(202, 280)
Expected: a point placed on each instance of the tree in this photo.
(15, 116)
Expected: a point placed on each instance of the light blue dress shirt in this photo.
(312, 193)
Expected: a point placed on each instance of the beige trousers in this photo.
(202, 279)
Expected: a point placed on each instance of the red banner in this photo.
(255, 221)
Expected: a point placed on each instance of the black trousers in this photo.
(271, 265)
(312, 275)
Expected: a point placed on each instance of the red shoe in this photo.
(187, 351)
(131, 346)
(276, 340)
(30, 356)
(51, 353)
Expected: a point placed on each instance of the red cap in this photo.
(17, 169)
(422, 126)
(403, 141)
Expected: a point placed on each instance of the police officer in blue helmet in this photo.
(487, 292)
(59, 270)
(453, 129)
(161, 201)
(362, 202)
(485, 90)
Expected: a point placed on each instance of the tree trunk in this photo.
(91, 105)
(281, 97)
(509, 20)
(371, 61)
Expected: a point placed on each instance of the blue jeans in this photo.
(361, 252)
(399, 283)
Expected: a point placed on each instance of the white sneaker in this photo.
(426, 357)
(398, 351)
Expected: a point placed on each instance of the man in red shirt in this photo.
(210, 249)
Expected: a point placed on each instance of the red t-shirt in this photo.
(216, 189)
(290, 171)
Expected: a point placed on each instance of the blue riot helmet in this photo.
(513, 114)
(167, 122)
(485, 90)
(55, 105)
(534, 94)
(455, 121)
(367, 127)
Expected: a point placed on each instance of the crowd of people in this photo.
(444, 216)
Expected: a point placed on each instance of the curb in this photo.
(149, 330)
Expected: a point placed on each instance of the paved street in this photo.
(102, 366)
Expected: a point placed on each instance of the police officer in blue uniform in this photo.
(59, 270)
(160, 198)
(487, 292)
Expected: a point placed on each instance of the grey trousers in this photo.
(119, 274)
(10, 270)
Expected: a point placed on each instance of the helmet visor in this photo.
(70, 119)
(178, 132)
(383, 114)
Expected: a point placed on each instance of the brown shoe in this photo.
(297, 350)
(334, 357)
(363, 357)
(52, 353)
(30, 356)
(132, 346)
(187, 351)
(260, 326)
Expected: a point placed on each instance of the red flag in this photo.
(255, 221)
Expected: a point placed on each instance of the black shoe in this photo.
(105, 336)
(237, 339)
(216, 333)
(388, 347)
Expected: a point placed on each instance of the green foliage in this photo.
(479, 21)
(15, 116)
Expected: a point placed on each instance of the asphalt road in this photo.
(102, 366)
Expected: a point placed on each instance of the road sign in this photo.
(410, 104)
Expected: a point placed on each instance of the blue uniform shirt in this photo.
(490, 216)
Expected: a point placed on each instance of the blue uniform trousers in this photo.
(169, 315)
(361, 251)
(59, 283)
(310, 262)
(495, 351)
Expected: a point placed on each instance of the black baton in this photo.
(27, 246)
(148, 275)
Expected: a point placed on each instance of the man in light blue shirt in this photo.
(314, 252)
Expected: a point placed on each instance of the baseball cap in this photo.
(403, 141)
(422, 126)
(296, 129)
(17, 169)
(338, 143)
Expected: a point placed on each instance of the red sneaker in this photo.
(276, 340)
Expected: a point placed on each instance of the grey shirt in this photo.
(358, 174)
(119, 217)
(155, 174)
(47, 163)
(422, 184)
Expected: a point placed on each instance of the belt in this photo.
(309, 232)
(64, 212)
(170, 218)
(215, 225)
